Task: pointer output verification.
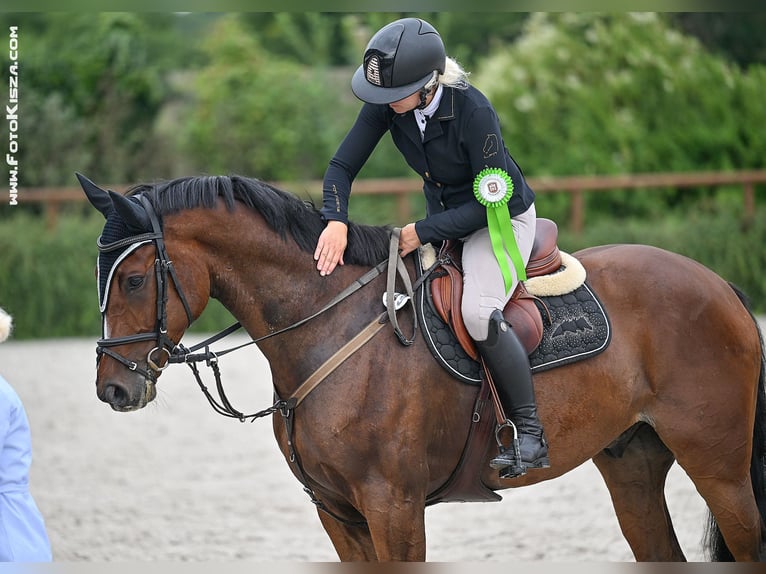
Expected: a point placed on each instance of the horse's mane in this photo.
(284, 212)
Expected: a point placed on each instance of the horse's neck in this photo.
(259, 277)
(267, 284)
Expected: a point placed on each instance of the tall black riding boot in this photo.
(507, 361)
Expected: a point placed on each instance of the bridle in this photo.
(163, 269)
(177, 353)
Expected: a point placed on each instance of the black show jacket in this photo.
(461, 139)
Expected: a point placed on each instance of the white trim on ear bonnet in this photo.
(6, 325)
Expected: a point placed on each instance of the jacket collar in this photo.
(446, 111)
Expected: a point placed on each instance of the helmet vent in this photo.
(373, 71)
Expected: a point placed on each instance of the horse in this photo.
(682, 379)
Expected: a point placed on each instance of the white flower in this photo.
(524, 103)
(6, 325)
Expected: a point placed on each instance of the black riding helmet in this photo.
(399, 60)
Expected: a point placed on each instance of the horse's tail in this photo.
(714, 542)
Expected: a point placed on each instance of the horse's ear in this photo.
(99, 198)
(132, 213)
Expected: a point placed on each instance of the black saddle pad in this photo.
(579, 329)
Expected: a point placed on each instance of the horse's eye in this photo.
(135, 281)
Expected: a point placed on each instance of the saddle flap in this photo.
(525, 318)
(447, 295)
(521, 312)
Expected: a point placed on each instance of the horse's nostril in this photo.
(115, 395)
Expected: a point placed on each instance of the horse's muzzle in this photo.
(126, 397)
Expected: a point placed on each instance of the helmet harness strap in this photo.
(427, 89)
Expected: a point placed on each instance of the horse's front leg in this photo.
(396, 520)
(394, 532)
(353, 543)
(399, 534)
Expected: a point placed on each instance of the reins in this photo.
(184, 355)
(190, 356)
(394, 264)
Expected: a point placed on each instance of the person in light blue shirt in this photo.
(23, 537)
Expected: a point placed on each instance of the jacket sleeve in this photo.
(487, 149)
(353, 152)
(452, 223)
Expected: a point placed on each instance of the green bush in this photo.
(47, 278)
(253, 113)
(93, 86)
(718, 240)
(616, 93)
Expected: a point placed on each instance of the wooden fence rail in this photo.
(403, 188)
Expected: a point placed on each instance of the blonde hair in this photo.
(6, 325)
(454, 75)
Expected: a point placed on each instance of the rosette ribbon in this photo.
(493, 188)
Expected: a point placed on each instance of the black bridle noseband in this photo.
(163, 268)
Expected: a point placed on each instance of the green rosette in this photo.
(493, 188)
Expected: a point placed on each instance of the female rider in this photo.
(475, 192)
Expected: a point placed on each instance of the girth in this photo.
(521, 311)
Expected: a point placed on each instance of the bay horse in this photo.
(681, 380)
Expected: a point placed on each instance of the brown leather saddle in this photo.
(521, 312)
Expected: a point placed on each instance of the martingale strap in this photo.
(335, 361)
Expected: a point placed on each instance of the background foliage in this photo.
(624, 93)
(128, 97)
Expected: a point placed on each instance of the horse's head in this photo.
(143, 308)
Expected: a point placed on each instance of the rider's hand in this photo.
(408, 240)
(330, 247)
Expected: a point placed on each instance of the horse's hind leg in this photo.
(352, 543)
(723, 480)
(635, 477)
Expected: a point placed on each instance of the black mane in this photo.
(284, 212)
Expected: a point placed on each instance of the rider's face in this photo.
(406, 104)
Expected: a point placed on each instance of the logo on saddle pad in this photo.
(578, 325)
